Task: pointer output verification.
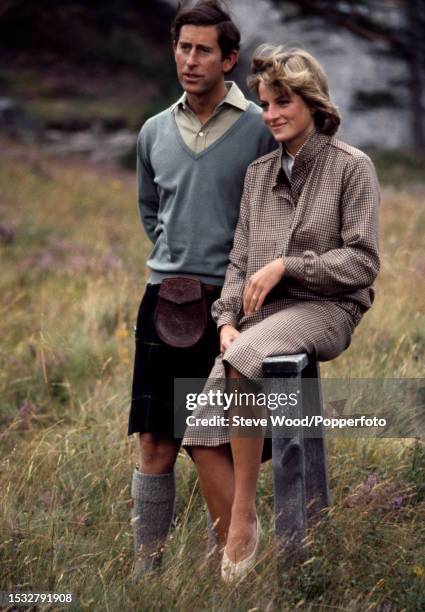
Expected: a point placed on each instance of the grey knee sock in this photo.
(152, 514)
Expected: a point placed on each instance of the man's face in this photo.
(200, 66)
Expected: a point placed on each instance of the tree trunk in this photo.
(416, 69)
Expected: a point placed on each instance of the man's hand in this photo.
(227, 334)
(260, 284)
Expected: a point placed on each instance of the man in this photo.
(192, 160)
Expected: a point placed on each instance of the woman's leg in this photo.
(246, 454)
(216, 477)
(228, 477)
(322, 329)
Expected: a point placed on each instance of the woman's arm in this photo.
(227, 309)
(355, 264)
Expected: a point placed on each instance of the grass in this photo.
(399, 168)
(71, 280)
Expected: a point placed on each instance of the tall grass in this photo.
(71, 278)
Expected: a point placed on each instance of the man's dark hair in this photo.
(209, 13)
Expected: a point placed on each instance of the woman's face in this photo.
(290, 120)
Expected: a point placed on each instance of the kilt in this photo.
(157, 364)
(322, 329)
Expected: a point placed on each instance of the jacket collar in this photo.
(304, 159)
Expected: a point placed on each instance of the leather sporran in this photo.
(181, 313)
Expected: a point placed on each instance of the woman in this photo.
(300, 277)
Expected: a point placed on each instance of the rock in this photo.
(99, 146)
(14, 121)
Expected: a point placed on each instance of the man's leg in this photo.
(153, 493)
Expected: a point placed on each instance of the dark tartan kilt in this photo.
(156, 365)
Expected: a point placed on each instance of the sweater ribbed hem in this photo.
(157, 277)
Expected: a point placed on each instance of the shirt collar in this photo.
(234, 97)
(286, 154)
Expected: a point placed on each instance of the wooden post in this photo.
(299, 462)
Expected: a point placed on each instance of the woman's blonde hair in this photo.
(295, 70)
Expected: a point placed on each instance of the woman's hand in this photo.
(260, 284)
(227, 334)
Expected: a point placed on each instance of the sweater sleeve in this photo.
(148, 198)
(355, 264)
(227, 309)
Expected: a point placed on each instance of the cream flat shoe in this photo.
(232, 572)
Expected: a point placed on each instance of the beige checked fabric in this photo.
(324, 223)
(320, 328)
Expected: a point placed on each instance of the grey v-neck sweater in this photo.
(188, 202)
